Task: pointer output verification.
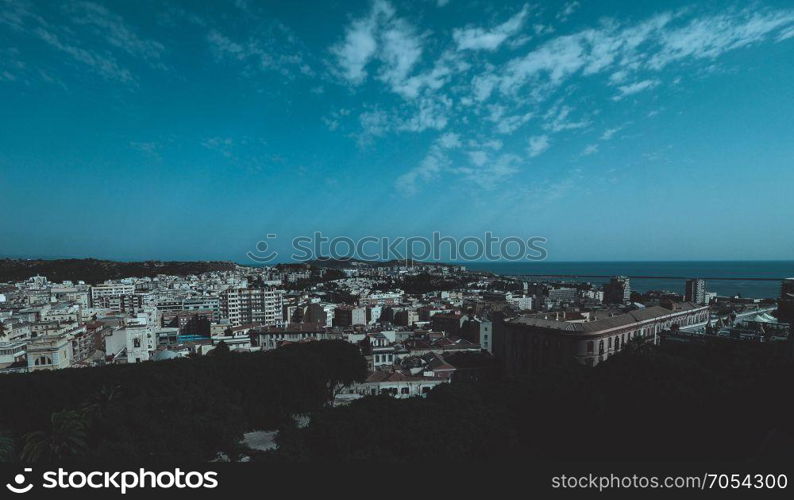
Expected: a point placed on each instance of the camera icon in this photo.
(19, 480)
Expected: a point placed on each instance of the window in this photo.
(590, 346)
(404, 390)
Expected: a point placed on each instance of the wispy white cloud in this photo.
(426, 113)
(483, 85)
(472, 38)
(11, 64)
(274, 48)
(115, 31)
(494, 144)
(431, 80)
(633, 88)
(590, 149)
(395, 47)
(567, 9)
(610, 132)
(557, 189)
(401, 50)
(483, 168)
(449, 140)
(374, 123)
(533, 88)
(430, 113)
(478, 158)
(486, 172)
(507, 124)
(244, 152)
(15, 69)
(89, 33)
(711, 36)
(360, 44)
(538, 145)
(105, 65)
(548, 190)
(149, 148)
(557, 119)
(628, 49)
(431, 166)
(557, 59)
(222, 145)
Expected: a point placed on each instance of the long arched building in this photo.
(529, 343)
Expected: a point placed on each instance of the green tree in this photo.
(98, 403)
(220, 350)
(7, 449)
(65, 438)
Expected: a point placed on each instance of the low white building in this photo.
(132, 342)
(271, 337)
(49, 352)
(11, 352)
(396, 384)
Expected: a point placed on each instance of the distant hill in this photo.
(97, 271)
(348, 263)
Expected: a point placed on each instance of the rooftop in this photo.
(602, 324)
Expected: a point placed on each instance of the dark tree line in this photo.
(97, 271)
(717, 400)
(672, 402)
(315, 279)
(423, 283)
(171, 411)
(507, 286)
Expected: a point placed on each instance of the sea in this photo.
(722, 277)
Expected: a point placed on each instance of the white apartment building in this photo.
(110, 290)
(524, 303)
(248, 306)
(134, 341)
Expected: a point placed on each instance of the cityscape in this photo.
(247, 244)
(407, 318)
(411, 327)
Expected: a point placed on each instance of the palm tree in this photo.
(6, 448)
(98, 403)
(65, 438)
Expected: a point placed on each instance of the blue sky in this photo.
(619, 130)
